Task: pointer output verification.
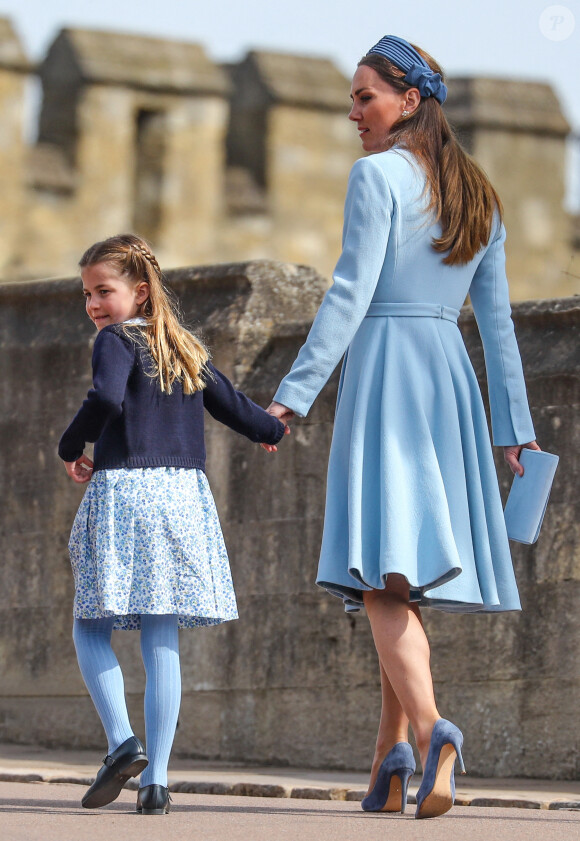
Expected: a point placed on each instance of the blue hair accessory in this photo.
(418, 73)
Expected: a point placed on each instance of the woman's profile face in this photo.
(376, 107)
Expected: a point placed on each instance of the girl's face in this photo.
(111, 297)
(376, 107)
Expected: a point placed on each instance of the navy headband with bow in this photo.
(418, 72)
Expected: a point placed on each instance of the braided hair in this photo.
(177, 354)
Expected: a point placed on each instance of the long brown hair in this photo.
(177, 353)
(460, 193)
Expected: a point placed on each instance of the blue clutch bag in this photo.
(528, 497)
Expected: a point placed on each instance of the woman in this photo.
(413, 512)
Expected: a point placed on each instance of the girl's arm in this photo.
(238, 412)
(113, 360)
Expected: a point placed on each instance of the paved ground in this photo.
(41, 812)
(21, 763)
(40, 793)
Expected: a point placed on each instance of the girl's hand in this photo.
(283, 413)
(272, 448)
(80, 470)
(512, 455)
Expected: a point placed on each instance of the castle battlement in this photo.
(234, 162)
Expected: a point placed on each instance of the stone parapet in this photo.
(136, 61)
(480, 102)
(12, 55)
(267, 78)
(295, 680)
(243, 161)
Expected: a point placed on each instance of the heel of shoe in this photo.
(404, 776)
(163, 810)
(153, 799)
(135, 767)
(436, 793)
(384, 797)
(456, 739)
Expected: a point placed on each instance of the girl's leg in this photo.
(393, 726)
(404, 654)
(102, 675)
(160, 650)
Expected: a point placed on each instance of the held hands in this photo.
(512, 454)
(284, 414)
(80, 470)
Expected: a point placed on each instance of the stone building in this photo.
(218, 164)
(517, 132)
(135, 131)
(14, 71)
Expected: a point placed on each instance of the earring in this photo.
(405, 114)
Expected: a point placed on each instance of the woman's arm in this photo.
(510, 414)
(367, 222)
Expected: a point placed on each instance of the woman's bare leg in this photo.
(404, 655)
(393, 726)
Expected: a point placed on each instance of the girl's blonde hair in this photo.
(177, 353)
(460, 193)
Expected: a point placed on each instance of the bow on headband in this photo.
(418, 73)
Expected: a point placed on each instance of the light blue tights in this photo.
(102, 674)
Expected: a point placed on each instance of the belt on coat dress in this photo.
(377, 309)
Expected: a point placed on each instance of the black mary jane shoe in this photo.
(127, 761)
(153, 800)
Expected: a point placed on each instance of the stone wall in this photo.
(515, 133)
(295, 681)
(225, 163)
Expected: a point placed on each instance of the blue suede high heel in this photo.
(437, 790)
(389, 792)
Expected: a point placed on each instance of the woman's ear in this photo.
(412, 100)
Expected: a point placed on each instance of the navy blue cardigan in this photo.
(135, 424)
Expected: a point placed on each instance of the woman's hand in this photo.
(512, 455)
(284, 414)
(281, 412)
(80, 470)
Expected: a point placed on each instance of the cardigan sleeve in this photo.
(367, 222)
(510, 414)
(237, 411)
(113, 360)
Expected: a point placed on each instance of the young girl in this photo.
(146, 546)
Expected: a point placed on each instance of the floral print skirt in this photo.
(148, 540)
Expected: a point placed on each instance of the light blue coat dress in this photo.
(412, 487)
